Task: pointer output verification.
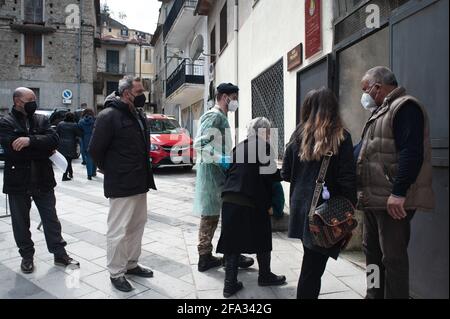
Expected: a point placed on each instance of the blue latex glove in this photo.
(225, 162)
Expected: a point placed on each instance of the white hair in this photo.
(382, 75)
(256, 124)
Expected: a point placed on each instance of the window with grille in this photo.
(223, 27)
(356, 21)
(33, 49)
(33, 11)
(268, 100)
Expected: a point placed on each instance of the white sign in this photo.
(67, 94)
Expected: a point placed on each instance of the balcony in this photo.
(112, 69)
(185, 83)
(180, 21)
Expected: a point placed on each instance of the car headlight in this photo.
(154, 147)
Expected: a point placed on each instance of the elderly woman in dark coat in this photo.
(320, 130)
(247, 199)
(68, 132)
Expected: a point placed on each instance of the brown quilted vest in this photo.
(377, 164)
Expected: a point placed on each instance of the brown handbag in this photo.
(332, 222)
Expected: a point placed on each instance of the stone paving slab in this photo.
(169, 248)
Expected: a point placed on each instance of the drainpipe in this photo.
(236, 63)
(80, 34)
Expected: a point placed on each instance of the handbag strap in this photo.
(320, 182)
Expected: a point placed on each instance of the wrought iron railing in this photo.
(175, 11)
(185, 73)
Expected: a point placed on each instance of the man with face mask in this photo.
(29, 141)
(119, 147)
(394, 178)
(213, 146)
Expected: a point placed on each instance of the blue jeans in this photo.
(90, 166)
(84, 152)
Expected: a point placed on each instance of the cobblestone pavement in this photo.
(169, 248)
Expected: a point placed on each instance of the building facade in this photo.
(277, 53)
(122, 51)
(182, 66)
(44, 48)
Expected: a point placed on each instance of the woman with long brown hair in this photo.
(320, 131)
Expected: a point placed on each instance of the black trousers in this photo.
(69, 170)
(310, 280)
(20, 205)
(385, 243)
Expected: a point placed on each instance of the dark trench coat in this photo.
(340, 180)
(248, 229)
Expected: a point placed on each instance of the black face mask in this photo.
(139, 101)
(30, 108)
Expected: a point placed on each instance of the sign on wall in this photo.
(313, 27)
(67, 96)
(295, 57)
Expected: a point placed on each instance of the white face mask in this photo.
(368, 102)
(233, 106)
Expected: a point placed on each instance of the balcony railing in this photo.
(116, 68)
(175, 11)
(185, 73)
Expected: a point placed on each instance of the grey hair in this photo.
(127, 83)
(256, 124)
(382, 75)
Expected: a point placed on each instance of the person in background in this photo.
(86, 125)
(320, 131)
(247, 199)
(68, 132)
(29, 141)
(82, 146)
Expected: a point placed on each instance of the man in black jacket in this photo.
(29, 141)
(120, 147)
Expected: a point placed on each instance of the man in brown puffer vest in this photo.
(394, 179)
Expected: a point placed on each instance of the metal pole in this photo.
(140, 60)
(80, 34)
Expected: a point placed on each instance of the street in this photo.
(169, 248)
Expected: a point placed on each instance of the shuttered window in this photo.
(33, 49)
(213, 45)
(33, 11)
(223, 27)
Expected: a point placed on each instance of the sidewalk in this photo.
(169, 248)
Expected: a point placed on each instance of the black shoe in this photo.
(232, 288)
(140, 272)
(207, 262)
(94, 175)
(65, 261)
(271, 280)
(83, 163)
(27, 266)
(65, 178)
(245, 262)
(90, 178)
(122, 284)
